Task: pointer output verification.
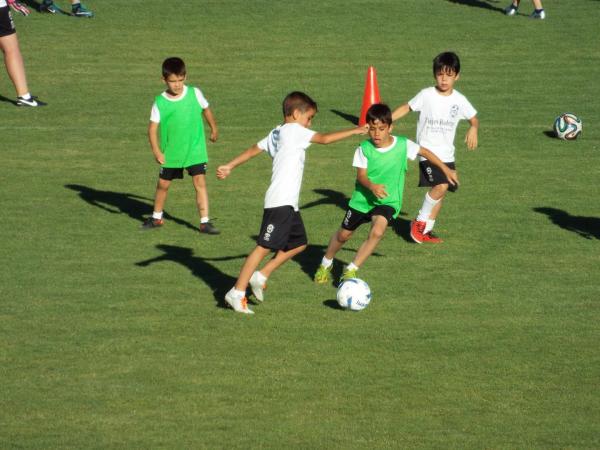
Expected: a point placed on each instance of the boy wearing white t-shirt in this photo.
(441, 107)
(381, 163)
(282, 229)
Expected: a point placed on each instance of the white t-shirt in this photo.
(155, 113)
(286, 144)
(438, 119)
(361, 162)
(3, 3)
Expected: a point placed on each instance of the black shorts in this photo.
(354, 219)
(7, 26)
(432, 175)
(170, 173)
(281, 229)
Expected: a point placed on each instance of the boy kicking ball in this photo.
(282, 230)
(381, 163)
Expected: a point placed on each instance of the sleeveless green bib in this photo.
(182, 131)
(383, 168)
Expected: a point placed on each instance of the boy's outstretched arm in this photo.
(224, 170)
(471, 137)
(400, 112)
(212, 123)
(328, 138)
(153, 138)
(430, 156)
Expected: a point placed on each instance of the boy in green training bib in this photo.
(177, 117)
(381, 163)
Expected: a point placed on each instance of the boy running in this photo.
(381, 163)
(441, 108)
(178, 113)
(282, 229)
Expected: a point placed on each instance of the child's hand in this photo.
(160, 157)
(452, 177)
(379, 190)
(362, 130)
(223, 171)
(18, 7)
(471, 138)
(214, 135)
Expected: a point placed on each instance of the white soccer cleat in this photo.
(257, 286)
(510, 10)
(239, 304)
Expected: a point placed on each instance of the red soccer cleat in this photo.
(416, 231)
(431, 238)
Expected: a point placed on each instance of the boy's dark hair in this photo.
(446, 62)
(381, 112)
(173, 66)
(297, 100)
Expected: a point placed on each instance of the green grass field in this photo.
(115, 338)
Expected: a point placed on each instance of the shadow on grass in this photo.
(349, 117)
(480, 4)
(333, 304)
(8, 100)
(330, 197)
(586, 227)
(218, 281)
(550, 134)
(133, 205)
(35, 5)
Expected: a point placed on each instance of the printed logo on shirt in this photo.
(454, 111)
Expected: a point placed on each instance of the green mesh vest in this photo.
(182, 131)
(383, 168)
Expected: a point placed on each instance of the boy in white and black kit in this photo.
(441, 107)
(282, 229)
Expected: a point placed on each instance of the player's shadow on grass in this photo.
(401, 227)
(349, 117)
(478, 4)
(133, 205)
(218, 281)
(330, 197)
(586, 227)
(8, 100)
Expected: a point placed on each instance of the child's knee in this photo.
(343, 235)
(163, 185)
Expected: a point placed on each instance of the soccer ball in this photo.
(567, 126)
(354, 294)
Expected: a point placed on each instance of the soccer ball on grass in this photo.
(354, 294)
(567, 126)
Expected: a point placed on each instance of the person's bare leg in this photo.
(13, 60)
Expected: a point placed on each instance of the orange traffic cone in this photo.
(371, 95)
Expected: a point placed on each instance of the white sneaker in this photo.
(538, 15)
(510, 10)
(239, 304)
(257, 286)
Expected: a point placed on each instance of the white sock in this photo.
(352, 266)
(157, 215)
(261, 278)
(26, 96)
(425, 211)
(326, 262)
(428, 226)
(204, 219)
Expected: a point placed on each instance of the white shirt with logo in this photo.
(438, 119)
(286, 144)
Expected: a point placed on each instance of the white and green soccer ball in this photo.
(567, 126)
(354, 294)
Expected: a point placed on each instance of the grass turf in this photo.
(114, 338)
